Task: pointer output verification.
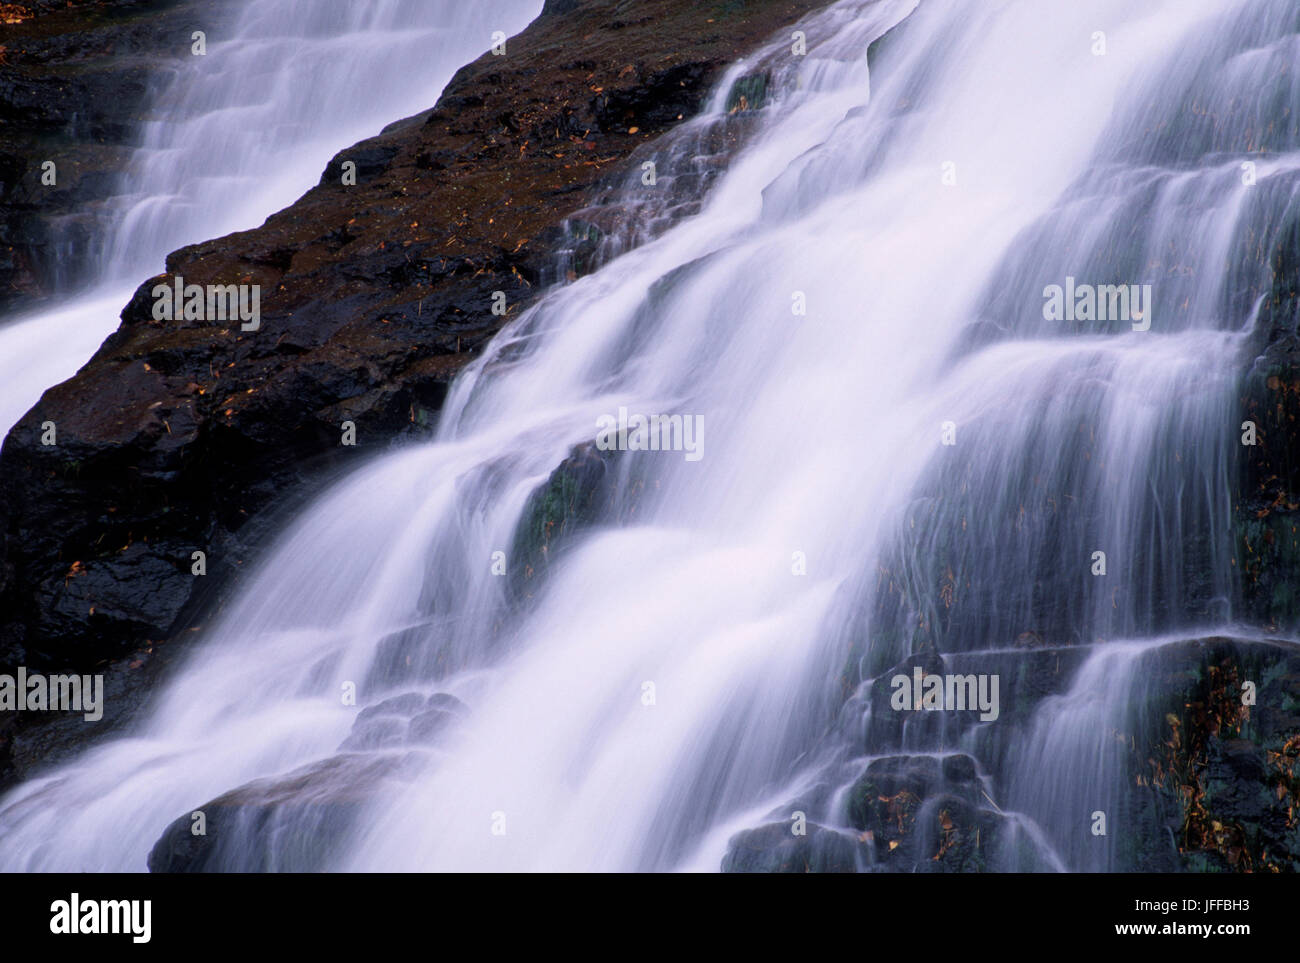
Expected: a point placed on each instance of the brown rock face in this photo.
(180, 436)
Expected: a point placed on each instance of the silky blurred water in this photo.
(919, 200)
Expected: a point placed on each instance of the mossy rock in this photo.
(749, 92)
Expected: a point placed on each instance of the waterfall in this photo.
(240, 132)
(903, 462)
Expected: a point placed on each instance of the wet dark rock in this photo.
(1220, 775)
(33, 741)
(1267, 507)
(553, 7)
(383, 724)
(292, 823)
(905, 813)
(1024, 679)
(404, 706)
(1268, 504)
(890, 788)
(375, 733)
(407, 718)
(775, 848)
(590, 486)
(427, 726)
(621, 217)
(959, 768)
(658, 100)
(1206, 779)
(571, 500)
(289, 824)
(749, 92)
(447, 703)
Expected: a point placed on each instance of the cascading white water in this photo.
(242, 131)
(822, 448)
